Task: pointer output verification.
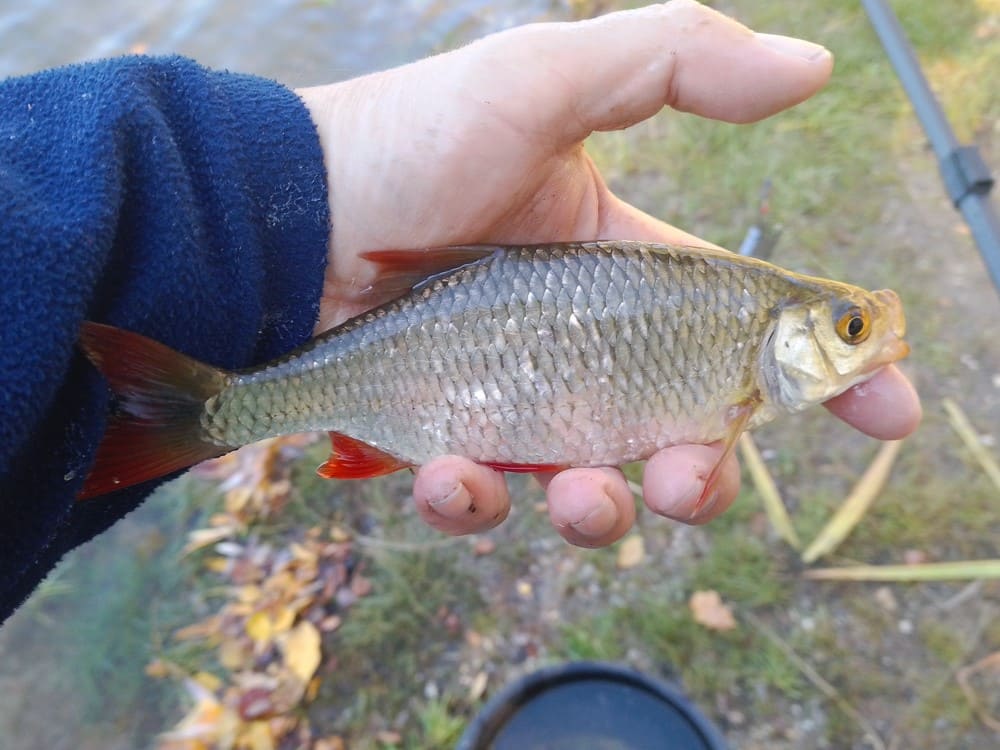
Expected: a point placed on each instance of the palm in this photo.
(489, 178)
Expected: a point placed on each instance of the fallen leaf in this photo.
(208, 627)
(203, 537)
(330, 743)
(157, 669)
(478, 687)
(233, 653)
(339, 534)
(360, 585)
(387, 737)
(208, 680)
(283, 620)
(330, 623)
(886, 599)
(631, 552)
(259, 627)
(302, 650)
(484, 546)
(255, 703)
(708, 610)
(259, 737)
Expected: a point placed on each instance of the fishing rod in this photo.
(966, 176)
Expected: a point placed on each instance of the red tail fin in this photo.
(156, 428)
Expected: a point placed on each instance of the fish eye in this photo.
(853, 326)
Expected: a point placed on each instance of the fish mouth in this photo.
(893, 348)
(892, 308)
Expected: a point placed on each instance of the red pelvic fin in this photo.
(401, 271)
(155, 428)
(525, 468)
(354, 459)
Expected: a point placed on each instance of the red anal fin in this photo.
(524, 468)
(401, 271)
(354, 459)
(737, 424)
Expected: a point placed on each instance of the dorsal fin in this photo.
(402, 271)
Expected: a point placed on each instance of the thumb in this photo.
(618, 69)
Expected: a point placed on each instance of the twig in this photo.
(964, 679)
(768, 491)
(961, 424)
(968, 592)
(853, 509)
(810, 673)
(944, 571)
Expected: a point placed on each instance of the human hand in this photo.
(484, 144)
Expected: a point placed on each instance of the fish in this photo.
(522, 358)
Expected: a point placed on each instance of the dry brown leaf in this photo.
(484, 546)
(302, 650)
(157, 669)
(631, 552)
(360, 586)
(330, 623)
(708, 610)
(388, 737)
(330, 743)
(208, 627)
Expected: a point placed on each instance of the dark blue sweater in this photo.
(150, 193)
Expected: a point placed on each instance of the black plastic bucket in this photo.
(590, 706)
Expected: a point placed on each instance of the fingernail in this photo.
(449, 502)
(598, 521)
(790, 45)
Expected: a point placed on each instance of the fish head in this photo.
(834, 339)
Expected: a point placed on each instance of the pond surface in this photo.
(299, 42)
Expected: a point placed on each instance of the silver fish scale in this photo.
(590, 354)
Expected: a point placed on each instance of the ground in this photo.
(448, 622)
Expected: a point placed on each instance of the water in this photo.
(298, 42)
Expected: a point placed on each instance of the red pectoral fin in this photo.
(353, 459)
(737, 424)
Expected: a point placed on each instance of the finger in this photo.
(590, 507)
(458, 496)
(674, 480)
(621, 68)
(886, 407)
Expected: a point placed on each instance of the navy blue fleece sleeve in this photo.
(150, 193)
